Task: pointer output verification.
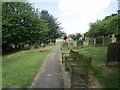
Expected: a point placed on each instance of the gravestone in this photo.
(32, 47)
(80, 43)
(106, 40)
(91, 41)
(65, 45)
(113, 52)
(117, 38)
(99, 41)
(113, 38)
(71, 45)
(50, 43)
(42, 45)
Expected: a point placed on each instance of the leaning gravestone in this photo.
(99, 41)
(65, 45)
(71, 45)
(91, 41)
(106, 40)
(80, 43)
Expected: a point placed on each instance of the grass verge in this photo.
(19, 69)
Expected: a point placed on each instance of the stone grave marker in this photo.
(42, 45)
(106, 40)
(80, 43)
(50, 43)
(65, 45)
(99, 41)
(91, 42)
(113, 52)
(113, 38)
(71, 44)
(117, 38)
(32, 47)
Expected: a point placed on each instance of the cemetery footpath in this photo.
(51, 76)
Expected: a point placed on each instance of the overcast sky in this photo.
(76, 15)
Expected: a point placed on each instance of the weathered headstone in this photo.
(80, 43)
(91, 41)
(42, 45)
(50, 43)
(32, 47)
(113, 38)
(65, 45)
(113, 52)
(99, 41)
(117, 38)
(71, 44)
(106, 41)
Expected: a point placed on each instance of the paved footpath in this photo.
(51, 76)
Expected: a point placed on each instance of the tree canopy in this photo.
(23, 24)
(75, 36)
(108, 26)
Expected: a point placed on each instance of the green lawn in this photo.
(107, 76)
(19, 69)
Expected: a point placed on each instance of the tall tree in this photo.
(53, 25)
(105, 27)
(23, 24)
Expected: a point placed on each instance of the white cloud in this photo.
(85, 11)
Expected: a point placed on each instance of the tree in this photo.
(105, 27)
(75, 36)
(53, 25)
(22, 24)
(12, 20)
(78, 35)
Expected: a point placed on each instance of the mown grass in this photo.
(107, 76)
(19, 69)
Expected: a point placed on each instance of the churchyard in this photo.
(37, 53)
(104, 70)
